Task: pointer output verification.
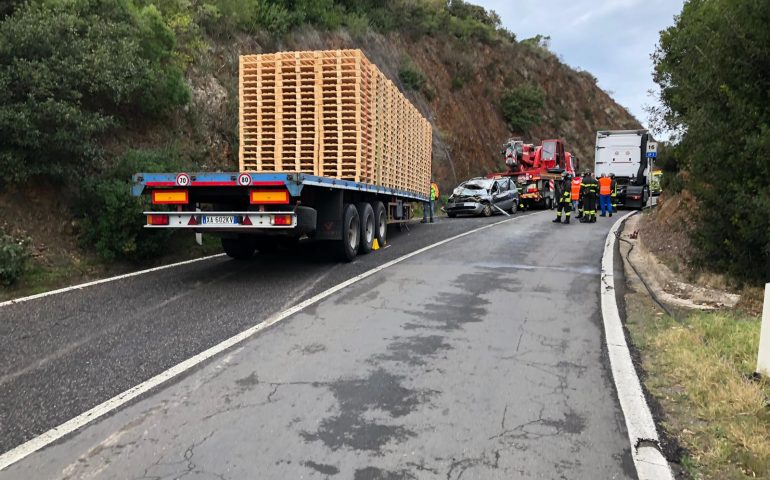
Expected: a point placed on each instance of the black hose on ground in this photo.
(655, 298)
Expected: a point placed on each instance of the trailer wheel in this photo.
(266, 244)
(241, 248)
(380, 223)
(366, 215)
(351, 233)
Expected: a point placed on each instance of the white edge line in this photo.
(12, 456)
(105, 280)
(639, 421)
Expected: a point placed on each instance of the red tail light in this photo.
(282, 220)
(157, 219)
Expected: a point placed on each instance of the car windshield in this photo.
(474, 187)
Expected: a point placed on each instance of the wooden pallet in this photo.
(330, 113)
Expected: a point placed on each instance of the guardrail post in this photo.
(763, 357)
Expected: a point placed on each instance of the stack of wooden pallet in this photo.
(333, 114)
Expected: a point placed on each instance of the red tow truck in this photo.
(537, 169)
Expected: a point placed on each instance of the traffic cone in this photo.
(375, 245)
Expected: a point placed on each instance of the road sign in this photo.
(652, 149)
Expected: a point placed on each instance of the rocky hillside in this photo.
(461, 95)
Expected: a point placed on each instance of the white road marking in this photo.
(648, 460)
(105, 280)
(12, 456)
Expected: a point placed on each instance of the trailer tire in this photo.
(366, 215)
(266, 244)
(380, 223)
(240, 248)
(351, 233)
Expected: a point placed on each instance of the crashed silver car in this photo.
(483, 196)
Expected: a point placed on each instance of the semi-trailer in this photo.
(329, 149)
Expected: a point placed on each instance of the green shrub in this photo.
(13, 259)
(112, 221)
(412, 78)
(71, 70)
(521, 107)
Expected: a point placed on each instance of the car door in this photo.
(503, 196)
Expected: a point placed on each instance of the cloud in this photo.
(613, 39)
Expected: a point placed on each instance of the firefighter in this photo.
(589, 188)
(565, 199)
(614, 194)
(576, 199)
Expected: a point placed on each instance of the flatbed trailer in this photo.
(265, 211)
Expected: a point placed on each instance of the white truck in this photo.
(629, 154)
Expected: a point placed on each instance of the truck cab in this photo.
(624, 154)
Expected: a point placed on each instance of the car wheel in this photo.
(514, 207)
(487, 210)
(451, 214)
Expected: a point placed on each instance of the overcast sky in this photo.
(612, 39)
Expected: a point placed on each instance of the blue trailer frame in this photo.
(294, 183)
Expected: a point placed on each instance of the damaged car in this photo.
(483, 196)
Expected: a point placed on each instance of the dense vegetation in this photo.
(522, 107)
(75, 73)
(712, 66)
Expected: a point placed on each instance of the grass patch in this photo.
(699, 370)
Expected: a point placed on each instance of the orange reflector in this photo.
(281, 220)
(157, 219)
(269, 197)
(170, 197)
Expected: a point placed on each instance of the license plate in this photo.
(219, 220)
(469, 204)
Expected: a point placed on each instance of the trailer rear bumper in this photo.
(301, 220)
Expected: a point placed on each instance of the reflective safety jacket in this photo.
(576, 182)
(433, 191)
(605, 186)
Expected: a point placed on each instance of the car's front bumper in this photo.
(471, 208)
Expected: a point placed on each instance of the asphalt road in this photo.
(481, 358)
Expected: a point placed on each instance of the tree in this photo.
(522, 107)
(69, 70)
(712, 69)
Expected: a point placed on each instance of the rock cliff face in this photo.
(461, 96)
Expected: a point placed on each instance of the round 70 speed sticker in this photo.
(183, 180)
